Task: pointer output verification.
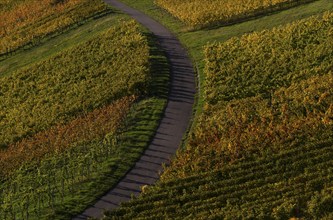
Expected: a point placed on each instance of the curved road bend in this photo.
(172, 127)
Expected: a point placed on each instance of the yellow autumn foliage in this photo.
(203, 13)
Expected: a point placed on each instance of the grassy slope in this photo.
(62, 42)
(39, 21)
(245, 190)
(142, 124)
(194, 41)
(142, 121)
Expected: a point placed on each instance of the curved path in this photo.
(172, 127)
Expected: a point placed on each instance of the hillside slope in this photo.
(261, 148)
(80, 98)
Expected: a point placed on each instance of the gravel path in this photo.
(173, 125)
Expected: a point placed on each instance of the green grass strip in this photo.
(63, 185)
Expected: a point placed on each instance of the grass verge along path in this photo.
(173, 125)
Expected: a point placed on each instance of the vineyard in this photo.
(29, 22)
(294, 183)
(83, 88)
(82, 130)
(71, 124)
(206, 13)
(62, 184)
(262, 148)
(73, 82)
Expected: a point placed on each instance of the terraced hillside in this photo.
(82, 90)
(78, 107)
(261, 149)
(72, 82)
(29, 22)
(293, 183)
(65, 104)
(207, 13)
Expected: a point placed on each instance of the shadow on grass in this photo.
(159, 69)
(138, 130)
